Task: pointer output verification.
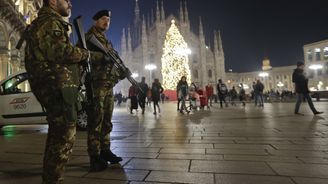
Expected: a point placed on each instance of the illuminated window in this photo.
(309, 55)
(317, 54)
(325, 53)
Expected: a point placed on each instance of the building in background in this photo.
(273, 78)
(143, 41)
(14, 16)
(316, 61)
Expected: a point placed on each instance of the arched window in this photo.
(210, 74)
(196, 74)
(2, 38)
(12, 47)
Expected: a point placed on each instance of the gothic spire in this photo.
(201, 30)
(186, 15)
(129, 41)
(151, 16)
(162, 12)
(158, 15)
(123, 43)
(216, 46)
(220, 42)
(136, 12)
(181, 13)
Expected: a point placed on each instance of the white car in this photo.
(18, 104)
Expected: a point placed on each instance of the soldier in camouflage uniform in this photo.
(52, 62)
(104, 76)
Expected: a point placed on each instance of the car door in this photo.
(18, 104)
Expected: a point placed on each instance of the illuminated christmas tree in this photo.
(175, 62)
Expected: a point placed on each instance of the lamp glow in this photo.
(315, 67)
(263, 74)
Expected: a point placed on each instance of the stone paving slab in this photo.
(250, 179)
(181, 146)
(119, 174)
(231, 167)
(183, 150)
(305, 170)
(262, 158)
(191, 156)
(180, 177)
(243, 146)
(300, 180)
(237, 151)
(158, 164)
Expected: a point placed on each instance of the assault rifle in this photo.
(86, 67)
(117, 62)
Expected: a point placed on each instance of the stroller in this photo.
(203, 100)
(197, 98)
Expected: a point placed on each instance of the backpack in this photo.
(261, 87)
(223, 88)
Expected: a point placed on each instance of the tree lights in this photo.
(175, 62)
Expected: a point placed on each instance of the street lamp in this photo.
(315, 67)
(135, 75)
(150, 67)
(280, 85)
(264, 74)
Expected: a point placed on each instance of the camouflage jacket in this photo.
(50, 57)
(103, 73)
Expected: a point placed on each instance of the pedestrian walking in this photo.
(133, 95)
(209, 93)
(142, 95)
(182, 90)
(242, 94)
(302, 89)
(156, 90)
(222, 91)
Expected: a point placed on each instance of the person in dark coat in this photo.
(156, 90)
(142, 95)
(301, 89)
(133, 93)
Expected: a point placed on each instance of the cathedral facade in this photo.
(14, 16)
(142, 43)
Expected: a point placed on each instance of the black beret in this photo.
(300, 64)
(101, 13)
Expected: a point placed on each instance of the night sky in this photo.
(250, 29)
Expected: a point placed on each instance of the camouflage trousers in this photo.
(61, 116)
(99, 120)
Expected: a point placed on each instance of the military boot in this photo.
(109, 156)
(97, 164)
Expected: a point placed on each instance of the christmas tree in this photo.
(175, 62)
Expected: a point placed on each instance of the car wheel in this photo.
(82, 120)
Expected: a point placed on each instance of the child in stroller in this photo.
(197, 98)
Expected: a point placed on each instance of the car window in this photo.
(17, 84)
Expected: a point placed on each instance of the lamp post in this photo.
(150, 67)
